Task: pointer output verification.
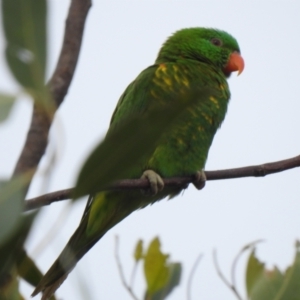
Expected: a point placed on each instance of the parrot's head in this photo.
(212, 46)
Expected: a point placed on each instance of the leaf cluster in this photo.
(161, 275)
(272, 284)
(24, 24)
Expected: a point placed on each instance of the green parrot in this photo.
(192, 57)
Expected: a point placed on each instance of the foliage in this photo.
(265, 284)
(6, 104)
(24, 23)
(26, 43)
(161, 275)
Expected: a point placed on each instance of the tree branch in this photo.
(67, 62)
(121, 273)
(255, 171)
(251, 171)
(37, 136)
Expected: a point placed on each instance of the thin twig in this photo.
(233, 267)
(232, 285)
(256, 170)
(223, 278)
(132, 277)
(49, 235)
(120, 268)
(191, 276)
(37, 137)
(237, 258)
(47, 199)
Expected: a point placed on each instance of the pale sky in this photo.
(121, 39)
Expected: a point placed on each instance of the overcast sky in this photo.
(262, 125)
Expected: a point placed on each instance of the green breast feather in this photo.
(184, 149)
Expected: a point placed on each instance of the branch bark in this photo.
(37, 136)
(128, 184)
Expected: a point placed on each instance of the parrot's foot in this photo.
(156, 183)
(200, 180)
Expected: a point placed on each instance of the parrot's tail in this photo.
(63, 265)
(107, 208)
(103, 211)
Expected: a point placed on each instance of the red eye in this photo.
(216, 42)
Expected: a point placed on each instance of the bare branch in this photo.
(232, 286)
(255, 171)
(238, 256)
(191, 276)
(67, 62)
(120, 268)
(223, 278)
(47, 199)
(127, 184)
(37, 137)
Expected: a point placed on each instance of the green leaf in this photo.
(155, 268)
(138, 252)
(127, 145)
(290, 289)
(24, 23)
(10, 252)
(254, 270)
(11, 249)
(175, 270)
(11, 206)
(264, 284)
(6, 104)
(9, 288)
(27, 269)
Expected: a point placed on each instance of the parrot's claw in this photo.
(200, 180)
(155, 181)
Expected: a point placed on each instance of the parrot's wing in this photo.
(135, 97)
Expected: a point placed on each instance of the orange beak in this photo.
(235, 63)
